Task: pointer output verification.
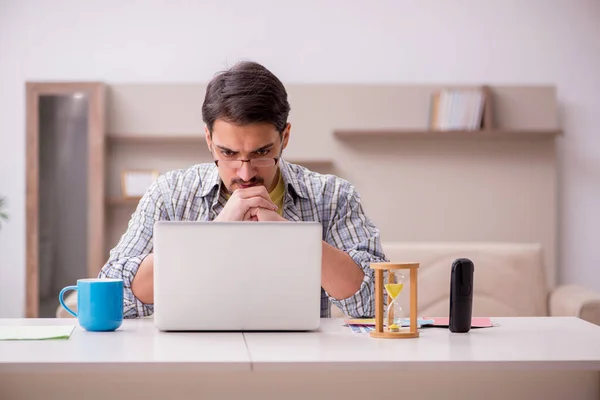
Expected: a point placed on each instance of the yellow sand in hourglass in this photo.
(394, 312)
(394, 289)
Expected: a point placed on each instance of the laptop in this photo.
(237, 276)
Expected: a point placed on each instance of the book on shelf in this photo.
(457, 109)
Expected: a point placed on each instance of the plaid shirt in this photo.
(195, 195)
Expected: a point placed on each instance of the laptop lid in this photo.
(237, 276)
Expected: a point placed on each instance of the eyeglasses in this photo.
(255, 162)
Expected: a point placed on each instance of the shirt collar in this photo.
(210, 181)
(290, 178)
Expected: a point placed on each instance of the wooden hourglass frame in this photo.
(379, 331)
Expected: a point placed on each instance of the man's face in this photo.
(256, 141)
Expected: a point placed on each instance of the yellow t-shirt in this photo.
(276, 195)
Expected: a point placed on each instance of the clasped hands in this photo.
(250, 204)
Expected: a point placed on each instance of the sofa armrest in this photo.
(575, 301)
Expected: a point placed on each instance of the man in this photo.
(245, 111)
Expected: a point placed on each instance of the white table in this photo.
(549, 358)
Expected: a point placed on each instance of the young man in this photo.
(245, 111)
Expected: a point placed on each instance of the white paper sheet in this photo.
(35, 332)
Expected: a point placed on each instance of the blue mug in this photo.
(99, 303)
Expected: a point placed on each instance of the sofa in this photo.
(509, 281)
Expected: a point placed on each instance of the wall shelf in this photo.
(121, 201)
(310, 163)
(156, 139)
(432, 134)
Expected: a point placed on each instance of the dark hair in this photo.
(246, 93)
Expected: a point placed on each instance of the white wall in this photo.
(470, 41)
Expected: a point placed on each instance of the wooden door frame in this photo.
(95, 92)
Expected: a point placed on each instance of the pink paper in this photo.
(477, 322)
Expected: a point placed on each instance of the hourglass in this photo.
(388, 322)
(394, 315)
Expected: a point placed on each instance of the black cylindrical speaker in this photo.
(461, 295)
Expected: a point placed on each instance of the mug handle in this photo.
(62, 302)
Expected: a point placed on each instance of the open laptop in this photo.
(237, 276)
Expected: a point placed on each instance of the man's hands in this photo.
(262, 214)
(251, 204)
